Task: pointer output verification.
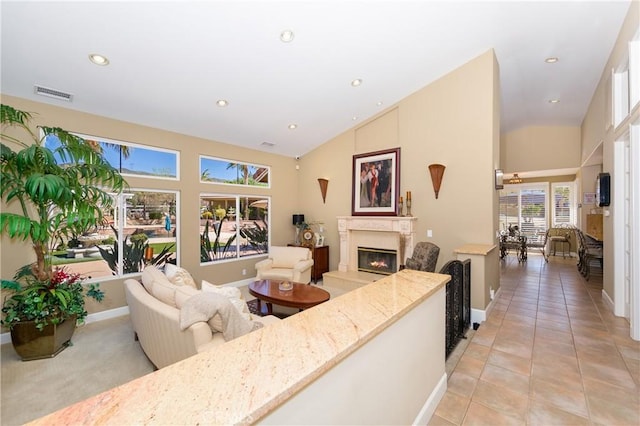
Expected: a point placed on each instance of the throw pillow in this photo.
(179, 276)
(235, 297)
(183, 293)
(150, 275)
(228, 291)
(164, 292)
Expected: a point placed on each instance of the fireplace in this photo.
(385, 232)
(377, 260)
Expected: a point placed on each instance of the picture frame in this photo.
(376, 183)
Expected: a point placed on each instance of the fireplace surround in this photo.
(382, 232)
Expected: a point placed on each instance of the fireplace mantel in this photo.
(391, 232)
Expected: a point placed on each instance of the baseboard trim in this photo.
(98, 316)
(479, 315)
(608, 302)
(430, 405)
(241, 283)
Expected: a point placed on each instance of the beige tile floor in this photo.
(550, 353)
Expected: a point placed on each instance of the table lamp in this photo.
(298, 219)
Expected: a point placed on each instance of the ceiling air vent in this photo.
(52, 93)
(268, 144)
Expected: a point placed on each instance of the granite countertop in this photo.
(246, 378)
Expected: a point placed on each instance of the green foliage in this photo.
(220, 213)
(207, 215)
(156, 215)
(257, 236)
(210, 251)
(46, 302)
(134, 247)
(53, 199)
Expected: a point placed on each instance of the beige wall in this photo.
(283, 192)
(540, 148)
(596, 128)
(453, 121)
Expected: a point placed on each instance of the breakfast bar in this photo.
(347, 360)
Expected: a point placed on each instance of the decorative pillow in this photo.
(179, 276)
(151, 274)
(183, 293)
(235, 297)
(228, 291)
(164, 292)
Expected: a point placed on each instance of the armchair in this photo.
(425, 257)
(286, 263)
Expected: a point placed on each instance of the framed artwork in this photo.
(376, 183)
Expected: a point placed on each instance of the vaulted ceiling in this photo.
(170, 62)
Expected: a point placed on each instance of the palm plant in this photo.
(55, 192)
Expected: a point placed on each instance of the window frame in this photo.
(238, 256)
(573, 214)
(202, 157)
(140, 146)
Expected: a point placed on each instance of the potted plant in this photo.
(48, 193)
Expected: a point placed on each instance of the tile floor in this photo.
(550, 353)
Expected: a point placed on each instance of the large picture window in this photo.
(229, 172)
(140, 229)
(233, 226)
(130, 159)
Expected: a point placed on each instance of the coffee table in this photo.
(301, 296)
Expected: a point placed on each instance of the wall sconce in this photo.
(499, 179)
(515, 179)
(437, 171)
(323, 188)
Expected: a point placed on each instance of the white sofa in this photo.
(286, 263)
(155, 316)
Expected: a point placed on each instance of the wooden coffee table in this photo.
(301, 296)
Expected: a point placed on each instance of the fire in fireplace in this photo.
(378, 261)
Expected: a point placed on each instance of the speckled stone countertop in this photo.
(481, 249)
(246, 378)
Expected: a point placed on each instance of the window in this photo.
(229, 172)
(563, 205)
(233, 226)
(139, 229)
(132, 160)
(525, 207)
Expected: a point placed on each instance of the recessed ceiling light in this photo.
(98, 59)
(354, 118)
(222, 103)
(554, 101)
(379, 103)
(357, 82)
(293, 126)
(287, 36)
(551, 60)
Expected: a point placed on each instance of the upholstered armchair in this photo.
(424, 258)
(286, 263)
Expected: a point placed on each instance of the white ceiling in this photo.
(171, 61)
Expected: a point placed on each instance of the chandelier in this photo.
(515, 179)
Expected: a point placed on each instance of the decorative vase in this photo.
(31, 343)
